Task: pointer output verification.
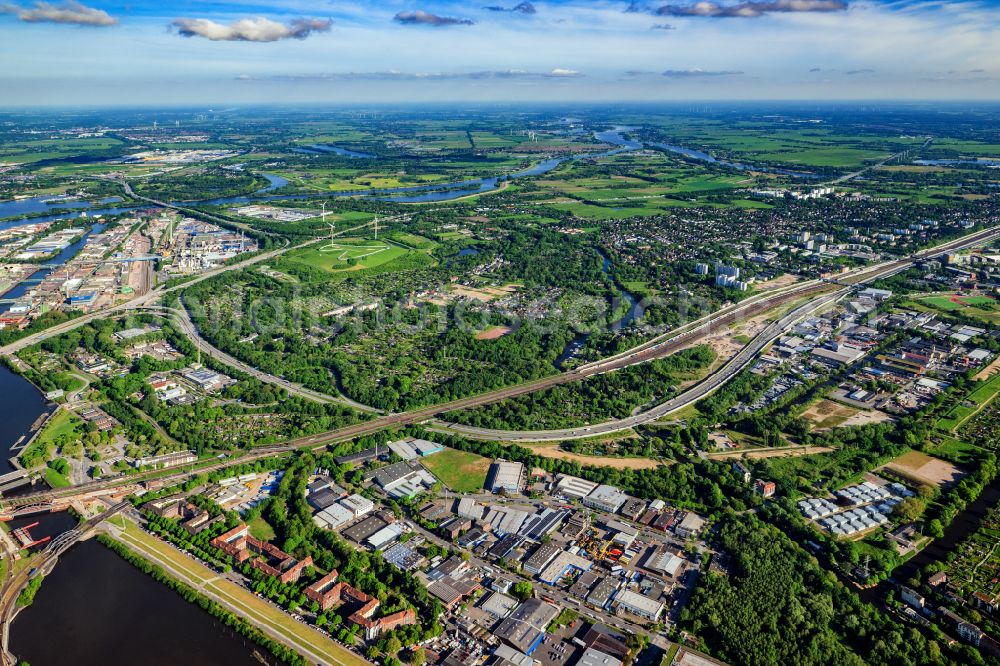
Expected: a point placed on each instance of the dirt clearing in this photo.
(926, 469)
(493, 333)
(783, 452)
(553, 451)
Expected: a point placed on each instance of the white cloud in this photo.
(70, 12)
(256, 29)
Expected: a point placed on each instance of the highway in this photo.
(182, 318)
(701, 390)
(390, 421)
(734, 366)
(189, 211)
(153, 295)
(851, 176)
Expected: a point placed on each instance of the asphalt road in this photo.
(733, 367)
(152, 296)
(420, 415)
(182, 318)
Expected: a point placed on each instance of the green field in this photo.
(49, 149)
(55, 479)
(261, 529)
(63, 422)
(63, 425)
(954, 450)
(971, 405)
(350, 255)
(984, 308)
(461, 471)
(412, 240)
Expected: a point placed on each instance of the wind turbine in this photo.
(332, 227)
(376, 227)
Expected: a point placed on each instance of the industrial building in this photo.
(525, 628)
(594, 657)
(505, 476)
(357, 505)
(540, 559)
(561, 564)
(606, 498)
(573, 487)
(404, 479)
(638, 604)
(412, 448)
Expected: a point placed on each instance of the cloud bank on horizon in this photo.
(751, 9)
(545, 50)
(420, 17)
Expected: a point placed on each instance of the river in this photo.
(46, 203)
(96, 609)
(702, 156)
(978, 161)
(20, 407)
(323, 148)
(960, 529)
(411, 194)
(425, 193)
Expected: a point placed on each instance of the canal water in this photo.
(49, 525)
(321, 148)
(964, 525)
(96, 609)
(417, 193)
(20, 406)
(980, 161)
(65, 255)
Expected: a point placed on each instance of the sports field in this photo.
(461, 471)
(926, 469)
(981, 307)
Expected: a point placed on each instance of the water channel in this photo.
(20, 407)
(110, 613)
(70, 251)
(410, 194)
(631, 314)
(424, 193)
(96, 609)
(43, 204)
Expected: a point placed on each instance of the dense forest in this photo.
(604, 396)
(777, 606)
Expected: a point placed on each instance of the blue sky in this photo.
(184, 52)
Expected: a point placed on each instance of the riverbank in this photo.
(220, 589)
(105, 611)
(21, 406)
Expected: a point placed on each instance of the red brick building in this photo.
(764, 488)
(266, 557)
(329, 593)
